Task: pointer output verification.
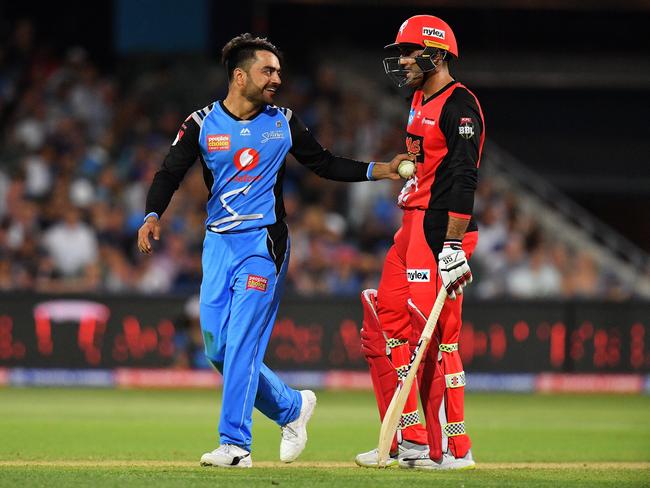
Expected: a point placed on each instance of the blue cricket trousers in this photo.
(240, 294)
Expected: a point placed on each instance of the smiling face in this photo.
(415, 65)
(404, 69)
(262, 78)
(414, 75)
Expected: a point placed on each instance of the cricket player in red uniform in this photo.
(445, 132)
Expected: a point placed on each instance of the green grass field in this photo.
(84, 437)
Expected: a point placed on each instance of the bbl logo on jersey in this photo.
(246, 159)
(466, 128)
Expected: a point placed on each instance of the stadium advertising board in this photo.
(322, 334)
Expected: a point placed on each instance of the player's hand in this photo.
(453, 267)
(394, 164)
(150, 227)
(389, 170)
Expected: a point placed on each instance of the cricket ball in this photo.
(406, 169)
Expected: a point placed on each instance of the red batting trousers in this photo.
(411, 272)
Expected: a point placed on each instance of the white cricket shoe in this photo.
(448, 461)
(406, 449)
(227, 456)
(294, 434)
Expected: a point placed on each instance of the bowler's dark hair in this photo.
(240, 51)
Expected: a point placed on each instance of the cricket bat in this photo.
(396, 407)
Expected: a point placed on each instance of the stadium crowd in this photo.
(79, 148)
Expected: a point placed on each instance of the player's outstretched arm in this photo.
(308, 151)
(151, 227)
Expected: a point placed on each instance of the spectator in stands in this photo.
(536, 278)
(69, 132)
(584, 280)
(494, 236)
(71, 244)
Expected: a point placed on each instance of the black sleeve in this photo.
(462, 124)
(306, 149)
(181, 156)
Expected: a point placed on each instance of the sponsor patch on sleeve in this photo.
(218, 142)
(257, 283)
(466, 128)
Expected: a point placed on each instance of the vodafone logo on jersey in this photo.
(246, 159)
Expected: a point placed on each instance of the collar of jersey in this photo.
(238, 119)
(439, 92)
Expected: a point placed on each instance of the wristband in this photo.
(369, 171)
(151, 214)
(453, 243)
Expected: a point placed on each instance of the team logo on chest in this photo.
(414, 146)
(246, 159)
(271, 134)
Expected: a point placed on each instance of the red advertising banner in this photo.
(318, 334)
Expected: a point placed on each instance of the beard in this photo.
(414, 79)
(258, 95)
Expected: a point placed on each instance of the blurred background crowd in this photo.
(79, 147)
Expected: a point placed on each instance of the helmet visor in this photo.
(409, 76)
(397, 72)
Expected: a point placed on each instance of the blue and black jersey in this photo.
(243, 164)
(246, 253)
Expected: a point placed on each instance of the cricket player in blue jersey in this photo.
(242, 142)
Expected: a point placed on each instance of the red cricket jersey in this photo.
(446, 132)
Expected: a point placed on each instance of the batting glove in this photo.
(453, 268)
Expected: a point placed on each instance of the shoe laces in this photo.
(288, 432)
(226, 448)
